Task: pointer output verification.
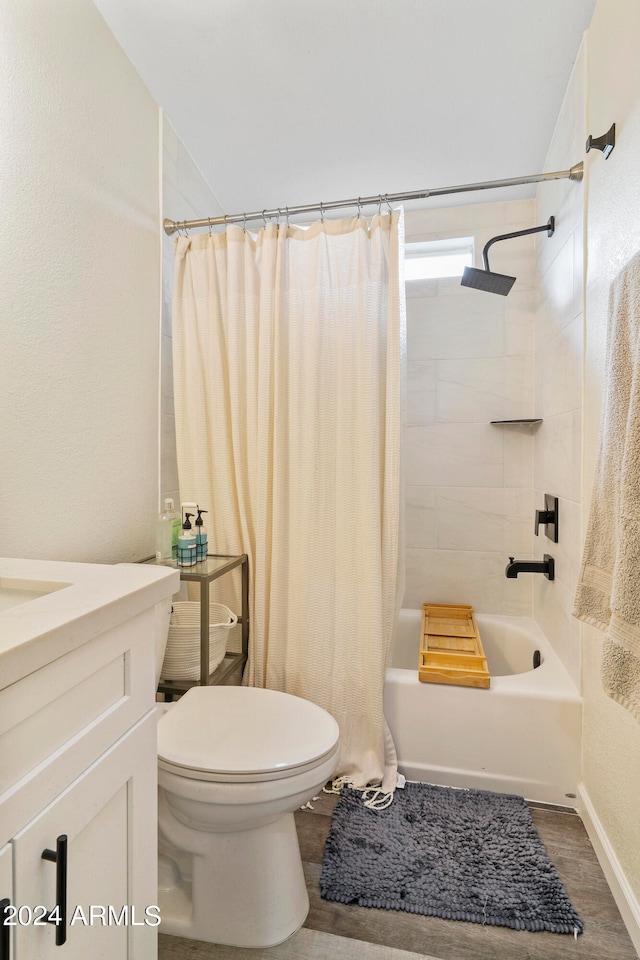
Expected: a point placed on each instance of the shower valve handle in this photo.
(544, 517)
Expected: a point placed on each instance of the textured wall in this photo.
(79, 289)
(611, 735)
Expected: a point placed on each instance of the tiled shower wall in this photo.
(559, 359)
(469, 503)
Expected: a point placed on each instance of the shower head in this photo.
(498, 283)
(487, 281)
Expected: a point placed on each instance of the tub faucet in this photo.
(546, 566)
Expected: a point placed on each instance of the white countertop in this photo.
(95, 598)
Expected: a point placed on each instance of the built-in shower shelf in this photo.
(518, 420)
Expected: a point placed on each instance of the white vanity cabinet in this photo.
(78, 768)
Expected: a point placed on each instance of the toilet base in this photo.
(246, 888)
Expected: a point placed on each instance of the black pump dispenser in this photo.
(201, 536)
(187, 544)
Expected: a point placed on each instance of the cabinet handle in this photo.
(59, 857)
(5, 931)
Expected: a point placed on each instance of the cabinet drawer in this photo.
(85, 700)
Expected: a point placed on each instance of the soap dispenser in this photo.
(187, 544)
(201, 536)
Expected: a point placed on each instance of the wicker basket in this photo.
(182, 656)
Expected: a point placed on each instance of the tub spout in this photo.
(546, 566)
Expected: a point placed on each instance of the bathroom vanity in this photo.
(78, 746)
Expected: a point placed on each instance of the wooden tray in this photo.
(450, 646)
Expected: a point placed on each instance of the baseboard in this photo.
(625, 898)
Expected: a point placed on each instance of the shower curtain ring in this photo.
(209, 219)
(287, 214)
(264, 219)
(359, 207)
(244, 222)
(380, 205)
(321, 212)
(386, 197)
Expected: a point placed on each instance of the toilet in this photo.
(234, 763)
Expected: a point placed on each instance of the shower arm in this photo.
(549, 226)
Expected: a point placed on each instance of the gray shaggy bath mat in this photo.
(458, 854)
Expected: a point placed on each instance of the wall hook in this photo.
(606, 142)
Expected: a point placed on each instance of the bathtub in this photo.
(522, 735)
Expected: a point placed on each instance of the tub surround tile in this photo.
(460, 326)
(518, 440)
(420, 517)
(454, 576)
(421, 391)
(481, 390)
(557, 456)
(560, 370)
(558, 286)
(519, 325)
(468, 494)
(454, 454)
(472, 518)
(420, 290)
(552, 603)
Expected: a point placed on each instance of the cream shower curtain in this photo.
(288, 354)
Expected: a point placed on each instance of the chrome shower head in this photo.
(499, 283)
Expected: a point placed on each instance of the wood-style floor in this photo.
(604, 937)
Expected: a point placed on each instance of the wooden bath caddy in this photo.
(450, 646)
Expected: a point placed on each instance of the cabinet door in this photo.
(6, 893)
(109, 817)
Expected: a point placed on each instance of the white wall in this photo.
(80, 289)
(186, 196)
(470, 360)
(611, 736)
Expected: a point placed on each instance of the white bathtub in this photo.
(522, 735)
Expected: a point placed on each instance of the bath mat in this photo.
(458, 854)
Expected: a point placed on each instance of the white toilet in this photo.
(234, 763)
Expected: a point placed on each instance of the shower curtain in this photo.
(289, 347)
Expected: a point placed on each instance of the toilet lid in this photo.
(243, 733)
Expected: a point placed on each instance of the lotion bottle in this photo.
(201, 537)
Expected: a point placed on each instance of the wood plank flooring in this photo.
(347, 929)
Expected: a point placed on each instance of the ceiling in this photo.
(284, 102)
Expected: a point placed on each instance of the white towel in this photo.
(608, 592)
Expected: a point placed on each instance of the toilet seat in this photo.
(244, 734)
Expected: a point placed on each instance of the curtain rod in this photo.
(171, 226)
